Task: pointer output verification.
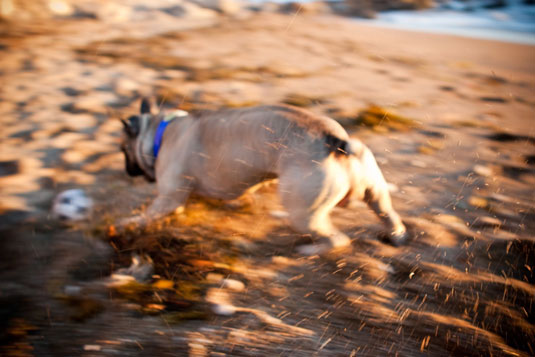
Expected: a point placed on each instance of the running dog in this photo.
(222, 154)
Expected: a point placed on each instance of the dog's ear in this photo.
(145, 106)
(132, 126)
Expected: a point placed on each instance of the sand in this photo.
(461, 168)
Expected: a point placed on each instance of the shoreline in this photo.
(497, 35)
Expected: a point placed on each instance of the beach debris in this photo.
(379, 118)
(163, 284)
(140, 270)
(302, 100)
(478, 202)
(72, 205)
(221, 305)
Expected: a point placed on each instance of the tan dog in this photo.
(222, 154)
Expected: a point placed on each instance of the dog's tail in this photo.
(336, 145)
(343, 147)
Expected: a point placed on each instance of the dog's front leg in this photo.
(169, 200)
(166, 204)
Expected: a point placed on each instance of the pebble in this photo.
(140, 270)
(481, 170)
(229, 7)
(220, 302)
(233, 284)
(223, 309)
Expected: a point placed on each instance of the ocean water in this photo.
(514, 23)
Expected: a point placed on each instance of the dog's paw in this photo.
(398, 239)
(131, 222)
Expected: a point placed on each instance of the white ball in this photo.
(72, 205)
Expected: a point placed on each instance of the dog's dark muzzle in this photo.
(132, 168)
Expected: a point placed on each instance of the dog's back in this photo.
(273, 130)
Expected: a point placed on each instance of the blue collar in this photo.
(161, 129)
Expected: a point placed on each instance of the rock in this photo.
(228, 7)
(367, 9)
(196, 11)
(233, 284)
(313, 7)
(481, 170)
(140, 270)
(220, 302)
(267, 6)
(355, 8)
(223, 309)
(105, 11)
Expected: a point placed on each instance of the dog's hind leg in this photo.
(369, 181)
(309, 194)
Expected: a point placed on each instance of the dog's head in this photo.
(131, 132)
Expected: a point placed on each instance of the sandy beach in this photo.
(451, 121)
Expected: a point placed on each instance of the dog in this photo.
(224, 153)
